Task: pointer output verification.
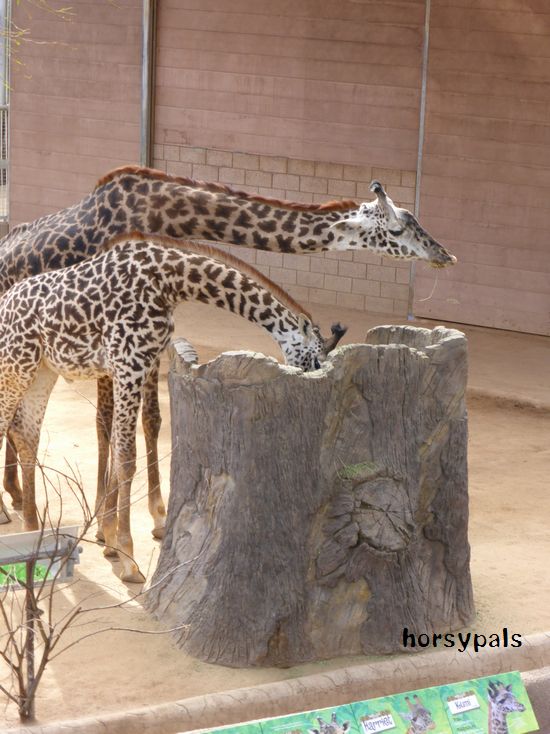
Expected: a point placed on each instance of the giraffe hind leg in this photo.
(11, 479)
(151, 421)
(104, 422)
(127, 397)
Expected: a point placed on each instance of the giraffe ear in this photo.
(384, 200)
(305, 326)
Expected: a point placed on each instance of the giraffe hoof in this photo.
(158, 533)
(110, 552)
(132, 577)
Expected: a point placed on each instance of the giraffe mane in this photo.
(227, 258)
(215, 187)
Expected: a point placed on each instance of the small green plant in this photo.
(354, 471)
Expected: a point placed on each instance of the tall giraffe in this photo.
(132, 198)
(111, 316)
(501, 703)
(419, 717)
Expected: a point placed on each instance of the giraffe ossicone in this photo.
(111, 316)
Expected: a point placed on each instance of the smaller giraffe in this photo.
(420, 718)
(501, 703)
(111, 316)
(331, 728)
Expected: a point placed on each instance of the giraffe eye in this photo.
(396, 232)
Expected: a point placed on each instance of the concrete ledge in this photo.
(393, 675)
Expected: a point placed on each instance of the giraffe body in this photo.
(419, 717)
(502, 702)
(148, 201)
(111, 317)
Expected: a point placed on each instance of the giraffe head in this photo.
(387, 229)
(331, 728)
(305, 347)
(419, 716)
(502, 698)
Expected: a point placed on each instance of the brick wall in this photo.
(357, 280)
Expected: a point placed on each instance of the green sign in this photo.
(15, 574)
(458, 708)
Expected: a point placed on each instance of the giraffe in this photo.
(111, 315)
(501, 703)
(420, 718)
(142, 199)
(331, 728)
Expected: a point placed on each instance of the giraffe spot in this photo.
(158, 201)
(194, 275)
(238, 238)
(213, 290)
(154, 221)
(142, 188)
(224, 211)
(114, 198)
(229, 280)
(268, 225)
(285, 243)
(217, 227)
(199, 201)
(189, 226)
(105, 215)
(289, 225)
(261, 243)
(243, 220)
(259, 209)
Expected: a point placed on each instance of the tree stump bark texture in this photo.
(318, 515)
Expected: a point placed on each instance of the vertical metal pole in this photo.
(28, 714)
(147, 80)
(421, 133)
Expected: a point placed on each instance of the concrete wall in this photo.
(75, 104)
(486, 182)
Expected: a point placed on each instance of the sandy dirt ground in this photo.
(509, 460)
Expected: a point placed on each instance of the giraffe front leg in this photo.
(104, 422)
(11, 480)
(151, 421)
(25, 430)
(127, 396)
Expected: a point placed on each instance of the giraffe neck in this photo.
(497, 720)
(201, 273)
(182, 208)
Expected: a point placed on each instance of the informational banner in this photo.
(481, 706)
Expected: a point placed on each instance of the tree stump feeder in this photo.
(317, 515)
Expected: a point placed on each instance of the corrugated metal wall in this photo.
(75, 105)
